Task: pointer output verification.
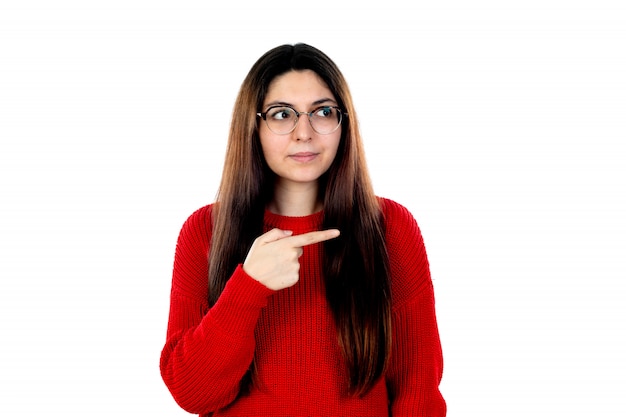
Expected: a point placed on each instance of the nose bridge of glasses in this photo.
(297, 119)
(303, 113)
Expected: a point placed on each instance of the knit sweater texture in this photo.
(291, 334)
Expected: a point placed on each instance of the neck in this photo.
(295, 200)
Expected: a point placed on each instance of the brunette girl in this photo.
(299, 292)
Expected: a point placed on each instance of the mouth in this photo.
(303, 156)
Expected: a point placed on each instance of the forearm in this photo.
(417, 364)
(206, 356)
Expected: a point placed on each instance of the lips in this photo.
(303, 156)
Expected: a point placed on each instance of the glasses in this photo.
(282, 120)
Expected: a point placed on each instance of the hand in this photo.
(273, 257)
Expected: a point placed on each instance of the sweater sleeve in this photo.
(207, 350)
(416, 366)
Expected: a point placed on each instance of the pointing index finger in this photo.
(313, 237)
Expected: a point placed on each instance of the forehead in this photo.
(298, 87)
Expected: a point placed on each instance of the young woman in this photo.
(300, 292)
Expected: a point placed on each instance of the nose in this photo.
(303, 130)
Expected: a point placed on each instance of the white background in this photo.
(500, 124)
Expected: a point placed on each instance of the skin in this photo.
(298, 159)
(273, 259)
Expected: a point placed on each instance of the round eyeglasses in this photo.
(282, 120)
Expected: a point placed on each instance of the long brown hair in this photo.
(356, 265)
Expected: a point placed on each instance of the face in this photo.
(302, 156)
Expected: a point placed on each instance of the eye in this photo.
(281, 113)
(324, 112)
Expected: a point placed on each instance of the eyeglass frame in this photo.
(263, 115)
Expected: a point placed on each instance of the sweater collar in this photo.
(300, 224)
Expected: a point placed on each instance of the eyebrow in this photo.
(315, 103)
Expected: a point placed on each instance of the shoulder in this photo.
(398, 219)
(394, 209)
(197, 227)
(201, 215)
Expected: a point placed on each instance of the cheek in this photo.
(333, 146)
(265, 141)
(270, 147)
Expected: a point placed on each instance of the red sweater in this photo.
(292, 336)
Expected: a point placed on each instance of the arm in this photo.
(207, 351)
(417, 362)
(416, 366)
